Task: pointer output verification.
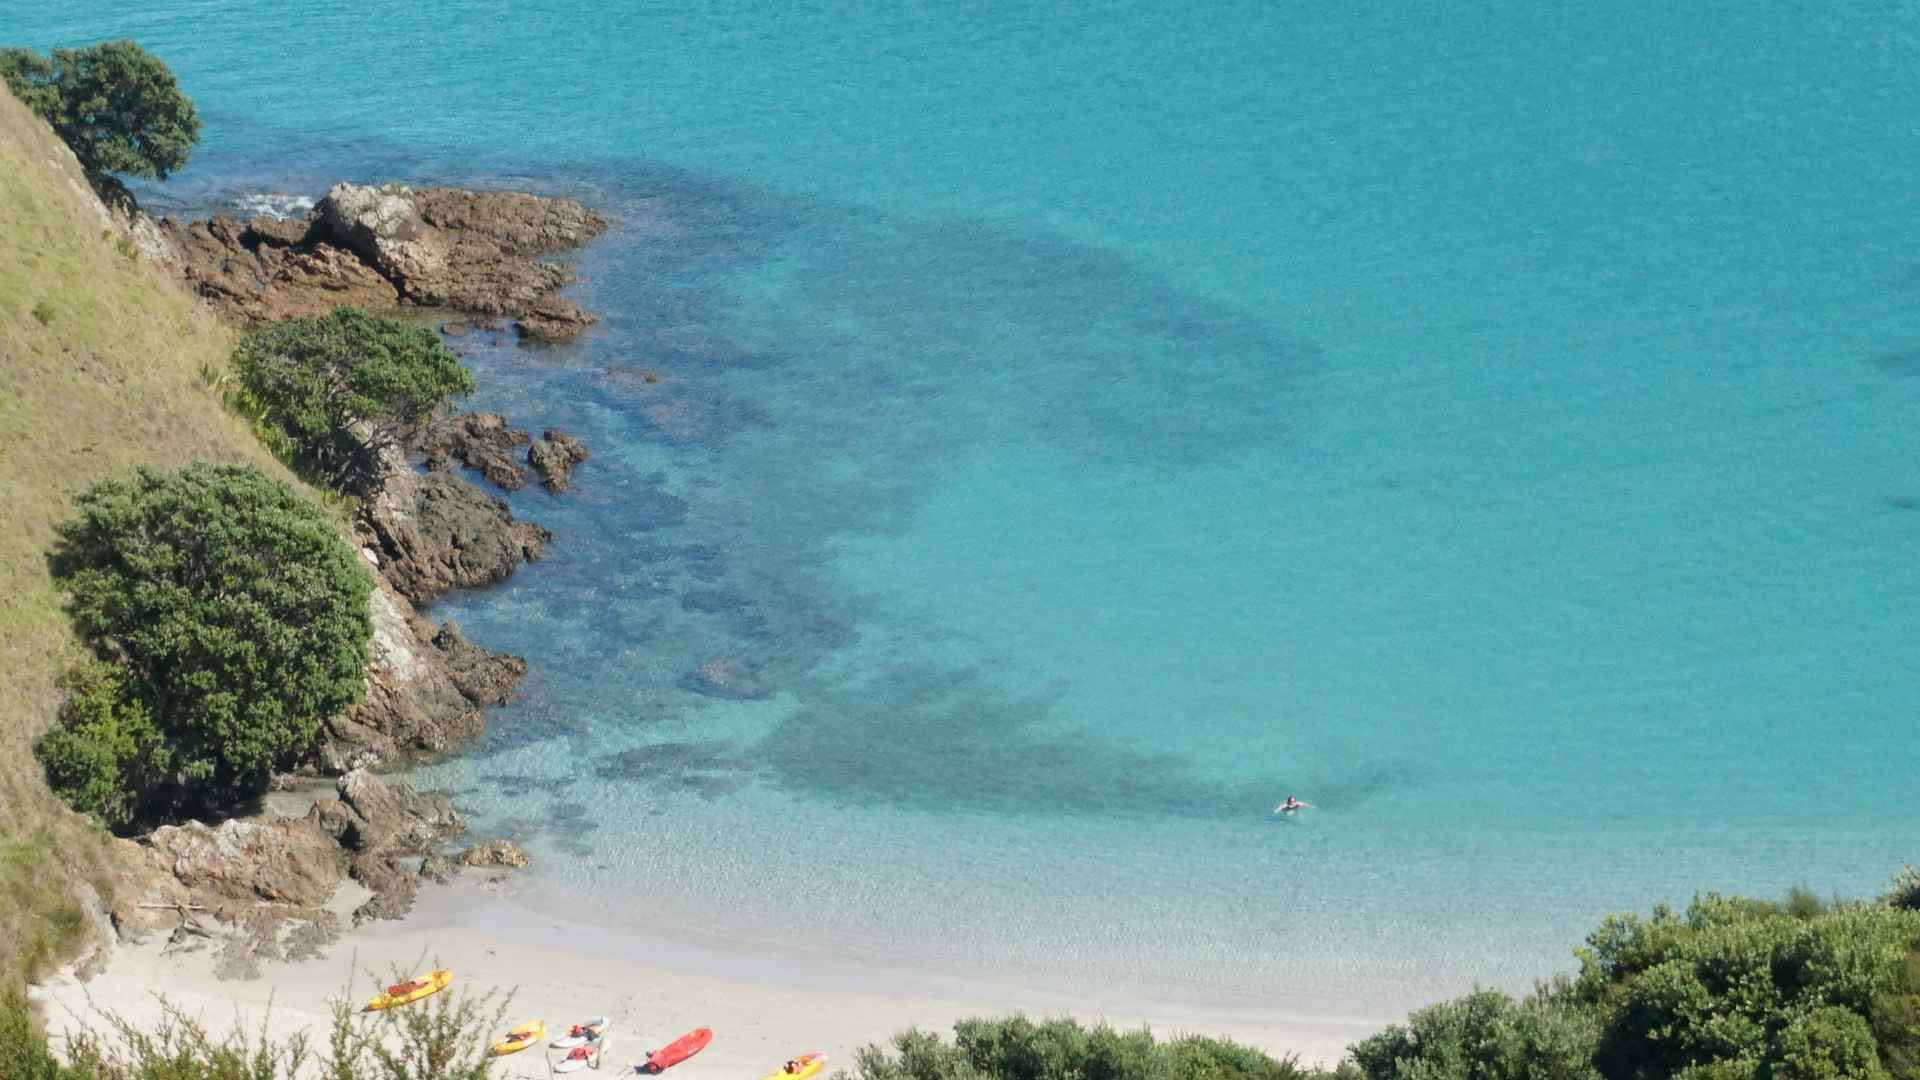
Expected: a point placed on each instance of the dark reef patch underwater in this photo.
(775, 378)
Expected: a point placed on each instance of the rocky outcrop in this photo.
(554, 457)
(247, 869)
(503, 853)
(426, 687)
(553, 320)
(481, 441)
(252, 860)
(384, 247)
(255, 273)
(468, 250)
(437, 532)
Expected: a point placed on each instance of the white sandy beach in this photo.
(763, 1009)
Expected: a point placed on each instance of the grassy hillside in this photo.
(100, 371)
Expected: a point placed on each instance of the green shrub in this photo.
(115, 105)
(338, 390)
(444, 1038)
(1485, 1035)
(1016, 1048)
(106, 749)
(238, 616)
(43, 313)
(1904, 890)
(1733, 988)
(1828, 1043)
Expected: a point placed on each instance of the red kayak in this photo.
(679, 1050)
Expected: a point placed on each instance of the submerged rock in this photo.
(729, 677)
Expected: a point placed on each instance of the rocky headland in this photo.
(381, 248)
(481, 255)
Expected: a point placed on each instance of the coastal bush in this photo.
(1730, 989)
(238, 618)
(1486, 1035)
(442, 1039)
(106, 749)
(336, 391)
(116, 105)
(1015, 1048)
(1904, 890)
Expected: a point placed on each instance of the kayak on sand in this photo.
(677, 1051)
(519, 1038)
(800, 1068)
(412, 990)
(584, 1056)
(580, 1034)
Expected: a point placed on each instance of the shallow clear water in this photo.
(1494, 426)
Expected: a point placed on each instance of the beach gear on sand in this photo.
(584, 1056)
(810, 1063)
(580, 1034)
(412, 990)
(519, 1038)
(677, 1051)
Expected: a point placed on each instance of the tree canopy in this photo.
(337, 390)
(115, 104)
(238, 619)
(1730, 989)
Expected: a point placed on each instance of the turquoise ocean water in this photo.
(1082, 428)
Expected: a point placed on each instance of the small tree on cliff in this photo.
(116, 105)
(335, 392)
(239, 618)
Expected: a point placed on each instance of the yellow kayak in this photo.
(799, 1068)
(412, 990)
(520, 1038)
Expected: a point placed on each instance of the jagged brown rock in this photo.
(257, 870)
(380, 248)
(391, 818)
(552, 319)
(275, 860)
(495, 853)
(425, 690)
(437, 532)
(554, 456)
(482, 676)
(439, 869)
(478, 440)
(251, 276)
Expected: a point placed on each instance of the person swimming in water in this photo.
(1292, 805)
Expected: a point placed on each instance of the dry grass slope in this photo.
(101, 370)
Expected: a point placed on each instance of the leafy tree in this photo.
(116, 105)
(337, 391)
(238, 614)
